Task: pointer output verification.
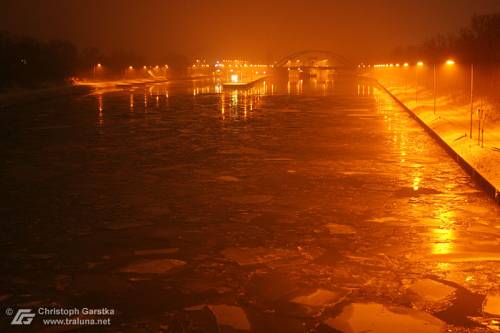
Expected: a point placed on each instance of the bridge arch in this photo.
(315, 59)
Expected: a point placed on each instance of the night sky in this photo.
(257, 30)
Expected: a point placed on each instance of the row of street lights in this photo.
(449, 62)
(98, 67)
(149, 67)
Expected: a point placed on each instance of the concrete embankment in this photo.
(481, 164)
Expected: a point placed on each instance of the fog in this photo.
(257, 30)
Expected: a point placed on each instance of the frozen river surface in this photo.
(292, 207)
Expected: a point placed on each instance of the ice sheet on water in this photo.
(340, 229)
(432, 291)
(145, 252)
(231, 316)
(492, 305)
(227, 179)
(257, 255)
(250, 199)
(319, 297)
(380, 318)
(158, 266)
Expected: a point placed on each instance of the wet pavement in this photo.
(297, 206)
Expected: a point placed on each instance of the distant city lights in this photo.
(406, 64)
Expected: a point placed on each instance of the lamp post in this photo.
(435, 86)
(449, 62)
(94, 68)
(471, 98)
(419, 64)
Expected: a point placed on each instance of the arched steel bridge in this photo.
(315, 59)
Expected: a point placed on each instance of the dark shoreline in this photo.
(28, 96)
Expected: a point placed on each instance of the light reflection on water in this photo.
(239, 102)
(436, 203)
(100, 109)
(241, 105)
(444, 236)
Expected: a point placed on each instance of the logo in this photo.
(23, 317)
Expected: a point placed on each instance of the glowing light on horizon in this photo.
(450, 62)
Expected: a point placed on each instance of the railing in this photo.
(465, 96)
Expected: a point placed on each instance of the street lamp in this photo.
(97, 66)
(419, 64)
(128, 70)
(449, 62)
(471, 98)
(434, 85)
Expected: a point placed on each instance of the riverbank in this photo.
(449, 125)
(17, 97)
(117, 83)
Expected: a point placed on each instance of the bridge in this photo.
(315, 59)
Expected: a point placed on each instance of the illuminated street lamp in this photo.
(128, 70)
(97, 66)
(419, 64)
(471, 98)
(434, 86)
(449, 62)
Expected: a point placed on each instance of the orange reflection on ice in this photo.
(443, 237)
(100, 109)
